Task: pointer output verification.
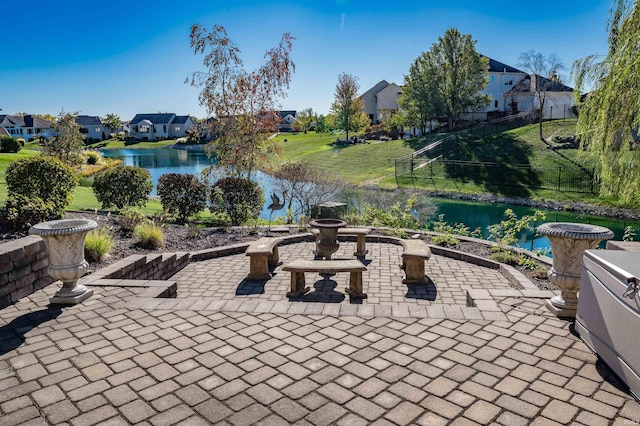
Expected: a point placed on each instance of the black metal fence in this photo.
(433, 164)
(492, 175)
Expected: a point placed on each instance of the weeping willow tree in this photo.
(609, 117)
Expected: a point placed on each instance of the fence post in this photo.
(559, 177)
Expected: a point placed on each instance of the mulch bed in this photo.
(182, 238)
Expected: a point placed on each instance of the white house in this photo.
(25, 126)
(180, 125)
(502, 78)
(92, 128)
(558, 98)
(381, 101)
(154, 127)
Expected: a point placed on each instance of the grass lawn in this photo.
(357, 164)
(118, 144)
(374, 163)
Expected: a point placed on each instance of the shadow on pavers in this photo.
(427, 291)
(12, 334)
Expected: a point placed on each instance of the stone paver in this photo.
(225, 352)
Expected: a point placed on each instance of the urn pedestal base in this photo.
(71, 296)
(562, 310)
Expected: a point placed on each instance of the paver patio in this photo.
(228, 351)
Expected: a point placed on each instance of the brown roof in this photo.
(536, 83)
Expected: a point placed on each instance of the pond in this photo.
(476, 214)
(472, 214)
(161, 161)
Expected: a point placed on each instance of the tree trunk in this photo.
(542, 99)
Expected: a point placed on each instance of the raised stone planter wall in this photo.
(24, 262)
(23, 269)
(157, 266)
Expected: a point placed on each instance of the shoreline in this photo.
(573, 207)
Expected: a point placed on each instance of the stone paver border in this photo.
(481, 304)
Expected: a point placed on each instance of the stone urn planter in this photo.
(328, 241)
(568, 244)
(65, 243)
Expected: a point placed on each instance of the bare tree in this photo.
(541, 66)
(305, 186)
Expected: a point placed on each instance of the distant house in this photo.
(558, 98)
(26, 126)
(502, 78)
(381, 101)
(154, 127)
(92, 128)
(287, 118)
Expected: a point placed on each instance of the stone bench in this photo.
(300, 266)
(360, 233)
(263, 253)
(415, 254)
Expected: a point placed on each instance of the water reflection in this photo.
(472, 214)
(161, 161)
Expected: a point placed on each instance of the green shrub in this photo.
(445, 240)
(93, 157)
(441, 226)
(241, 199)
(9, 144)
(45, 178)
(122, 186)
(120, 136)
(505, 256)
(149, 235)
(182, 194)
(21, 212)
(130, 218)
(398, 216)
(507, 231)
(98, 244)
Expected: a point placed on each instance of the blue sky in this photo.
(127, 57)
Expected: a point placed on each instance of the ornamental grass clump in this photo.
(149, 235)
(98, 244)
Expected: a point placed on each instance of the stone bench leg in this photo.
(361, 249)
(414, 268)
(298, 287)
(355, 285)
(274, 259)
(259, 267)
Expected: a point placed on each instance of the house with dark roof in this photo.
(381, 101)
(92, 128)
(155, 127)
(502, 78)
(26, 126)
(287, 118)
(534, 89)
